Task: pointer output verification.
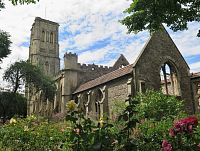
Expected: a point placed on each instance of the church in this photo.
(160, 66)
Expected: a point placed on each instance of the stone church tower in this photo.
(43, 52)
(44, 48)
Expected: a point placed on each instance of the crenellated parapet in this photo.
(93, 67)
(70, 61)
(70, 54)
(92, 71)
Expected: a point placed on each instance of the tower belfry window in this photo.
(51, 37)
(47, 36)
(43, 36)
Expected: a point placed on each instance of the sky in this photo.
(90, 28)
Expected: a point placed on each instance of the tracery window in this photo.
(47, 36)
(169, 79)
(51, 37)
(43, 36)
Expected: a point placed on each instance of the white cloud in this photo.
(195, 67)
(92, 56)
(187, 41)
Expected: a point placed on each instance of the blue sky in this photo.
(89, 28)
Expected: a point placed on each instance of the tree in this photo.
(21, 73)
(150, 14)
(4, 44)
(12, 104)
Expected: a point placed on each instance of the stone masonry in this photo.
(160, 65)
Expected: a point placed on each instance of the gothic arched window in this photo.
(43, 36)
(51, 37)
(47, 36)
(169, 79)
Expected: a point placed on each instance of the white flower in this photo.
(26, 128)
(12, 120)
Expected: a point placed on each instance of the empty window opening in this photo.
(43, 36)
(51, 37)
(98, 99)
(169, 80)
(47, 36)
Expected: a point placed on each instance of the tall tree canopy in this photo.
(150, 14)
(22, 72)
(4, 44)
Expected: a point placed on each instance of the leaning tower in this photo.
(43, 52)
(44, 48)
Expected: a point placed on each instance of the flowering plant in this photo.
(184, 135)
(166, 145)
(185, 125)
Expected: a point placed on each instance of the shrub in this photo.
(184, 135)
(156, 105)
(31, 134)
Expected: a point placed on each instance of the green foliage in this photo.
(23, 72)
(149, 15)
(118, 106)
(79, 133)
(4, 43)
(126, 141)
(12, 104)
(31, 134)
(86, 136)
(157, 106)
(151, 133)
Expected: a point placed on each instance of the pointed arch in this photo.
(43, 36)
(170, 80)
(51, 37)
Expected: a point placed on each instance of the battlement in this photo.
(92, 71)
(93, 67)
(66, 55)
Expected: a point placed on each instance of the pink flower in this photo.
(184, 125)
(164, 143)
(190, 128)
(166, 146)
(171, 132)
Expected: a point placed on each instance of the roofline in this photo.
(149, 41)
(100, 84)
(75, 92)
(45, 20)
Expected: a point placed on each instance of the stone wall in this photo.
(117, 91)
(92, 71)
(160, 50)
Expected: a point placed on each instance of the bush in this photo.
(141, 126)
(157, 106)
(12, 104)
(31, 134)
